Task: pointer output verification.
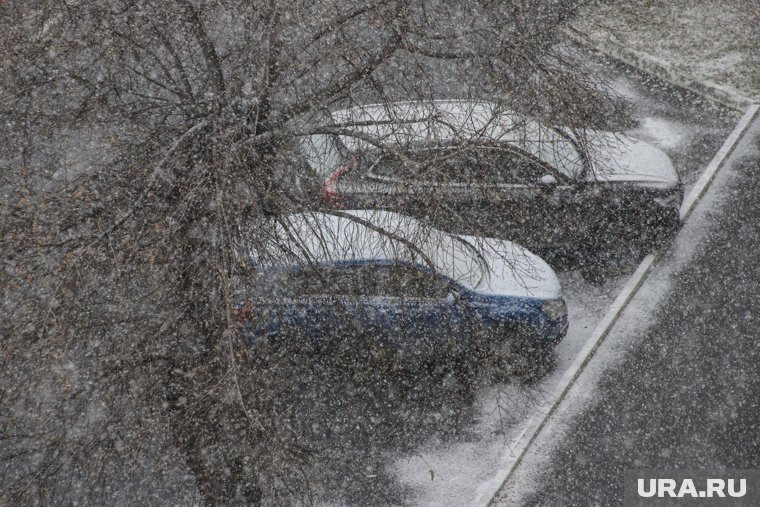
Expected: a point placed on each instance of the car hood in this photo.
(514, 271)
(621, 158)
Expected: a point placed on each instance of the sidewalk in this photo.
(707, 46)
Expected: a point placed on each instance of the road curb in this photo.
(647, 63)
(536, 424)
(694, 195)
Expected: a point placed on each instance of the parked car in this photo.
(473, 168)
(387, 279)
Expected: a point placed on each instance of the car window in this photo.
(362, 280)
(455, 165)
(353, 280)
(348, 280)
(309, 282)
(399, 280)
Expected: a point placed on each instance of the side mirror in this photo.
(548, 179)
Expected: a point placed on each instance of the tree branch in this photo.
(207, 47)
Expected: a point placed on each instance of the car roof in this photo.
(370, 236)
(422, 121)
(409, 123)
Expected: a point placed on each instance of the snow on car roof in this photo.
(485, 265)
(442, 120)
(372, 235)
(408, 123)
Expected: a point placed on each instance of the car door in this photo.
(363, 314)
(523, 199)
(295, 304)
(328, 308)
(567, 196)
(424, 308)
(515, 198)
(482, 190)
(553, 215)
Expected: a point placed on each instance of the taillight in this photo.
(332, 196)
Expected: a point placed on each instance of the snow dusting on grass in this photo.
(714, 43)
(662, 133)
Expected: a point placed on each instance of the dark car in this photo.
(474, 169)
(369, 279)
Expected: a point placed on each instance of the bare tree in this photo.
(142, 143)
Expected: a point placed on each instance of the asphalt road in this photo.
(688, 394)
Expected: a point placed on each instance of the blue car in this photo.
(400, 285)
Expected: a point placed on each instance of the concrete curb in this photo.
(522, 444)
(696, 193)
(649, 64)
